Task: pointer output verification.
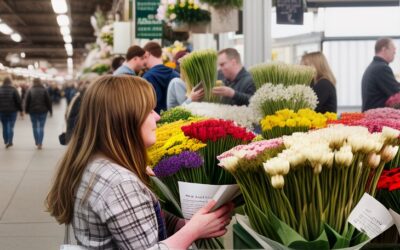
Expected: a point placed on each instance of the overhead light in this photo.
(70, 52)
(59, 6)
(16, 37)
(68, 46)
(63, 20)
(67, 39)
(65, 30)
(36, 65)
(5, 29)
(22, 54)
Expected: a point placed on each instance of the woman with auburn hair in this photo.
(324, 81)
(101, 185)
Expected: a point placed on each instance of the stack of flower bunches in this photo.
(271, 98)
(174, 155)
(242, 115)
(307, 189)
(219, 136)
(175, 114)
(280, 73)
(286, 122)
(374, 120)
(201, 66)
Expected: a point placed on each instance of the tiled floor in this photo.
(25, 177)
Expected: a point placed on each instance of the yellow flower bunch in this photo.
(171, 141)
(303, 118)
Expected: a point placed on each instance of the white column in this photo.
(257, 31)
(225, 41)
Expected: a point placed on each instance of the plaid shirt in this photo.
(118, 212)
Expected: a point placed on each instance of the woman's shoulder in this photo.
(105, 169)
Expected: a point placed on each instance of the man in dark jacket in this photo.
(378, 81)
(239, 85)
(37, 104)
(10, 104)
(158, 74)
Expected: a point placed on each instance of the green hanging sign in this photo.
(147, 26)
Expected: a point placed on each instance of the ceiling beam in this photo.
(10, 9)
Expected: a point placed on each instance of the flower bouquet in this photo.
(280, 73)
(200, 66)
(286, 122)
(271, 98)
(299, 190)
(185, 152)
(374, 120)
(389, 194)
(219, 136)
(175, 114)
(242, 115)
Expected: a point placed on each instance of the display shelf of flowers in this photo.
(299, 190)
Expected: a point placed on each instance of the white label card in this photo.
(370, 216)
(194, 196)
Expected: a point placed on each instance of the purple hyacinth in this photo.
(170, 165)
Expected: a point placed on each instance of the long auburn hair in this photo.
(110, 120)
(319, 62)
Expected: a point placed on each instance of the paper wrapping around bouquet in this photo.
(194, 196)
(269, 244)
(222, 20)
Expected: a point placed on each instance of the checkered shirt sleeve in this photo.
(114, 210)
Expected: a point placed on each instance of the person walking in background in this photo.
(134, 62)
(101, 186)
(158, 74)
(10, 104)
(378, 82)
(323, 83)
(37, 104)
(239, 85)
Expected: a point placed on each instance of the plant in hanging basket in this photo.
(182, 12)
(238, 4)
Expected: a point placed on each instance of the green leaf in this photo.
(167, 194)
(336, 240)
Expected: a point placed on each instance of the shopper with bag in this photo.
(101, 186)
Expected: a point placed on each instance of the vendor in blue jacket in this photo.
(378, 81)
(158, 74)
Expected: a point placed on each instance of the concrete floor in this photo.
(25, 177)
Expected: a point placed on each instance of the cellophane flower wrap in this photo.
(304, 188)
(271, 98)
(219, 136)
(286, 122)
(242, 115)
